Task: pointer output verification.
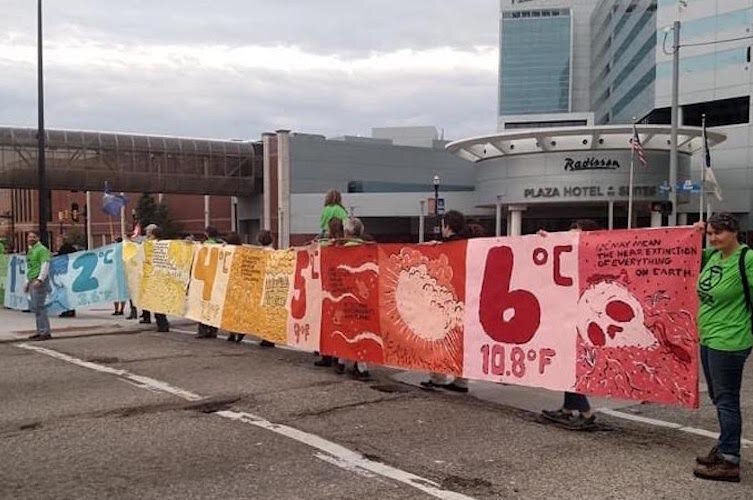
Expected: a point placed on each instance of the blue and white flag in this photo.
(113, 203)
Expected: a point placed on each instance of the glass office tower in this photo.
(535, 62)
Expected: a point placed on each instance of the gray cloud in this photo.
(243, 102)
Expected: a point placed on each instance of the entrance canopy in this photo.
(595, 138)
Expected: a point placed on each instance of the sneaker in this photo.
(560, 415)
(339, 368)
(581, 423)
(713, 457)
(239, 338)
(143, 321)
(719, 471)
(231, 338)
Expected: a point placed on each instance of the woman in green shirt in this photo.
(726, 338)
(333, 209)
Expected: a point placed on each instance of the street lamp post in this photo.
(42, 176)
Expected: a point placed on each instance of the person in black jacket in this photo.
(65, 247)
(454, 227)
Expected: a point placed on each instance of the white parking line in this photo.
(668, 425)
(337, 455)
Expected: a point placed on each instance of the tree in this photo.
(149, 211)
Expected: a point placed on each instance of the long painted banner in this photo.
(600, 313)
(76, 280)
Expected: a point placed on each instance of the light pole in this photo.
(436, 203)
(675, 111)
(42, 176)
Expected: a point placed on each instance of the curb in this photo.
(104, 332)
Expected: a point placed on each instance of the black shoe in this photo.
(38, 337)
(231, 338)
(339, 368)
(559, 416)
(163, 329)
(240, 338)
(363, 376)
(454, 388)
(143, 321)
(712, 458)
(430, 386)
(266, 343)
(324, 361)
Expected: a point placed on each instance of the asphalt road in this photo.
(170, 416)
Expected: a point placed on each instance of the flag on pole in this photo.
(709, 176)
(112, 203)
(638, 147)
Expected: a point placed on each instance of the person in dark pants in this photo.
(65, 247)
(153, 232)
(37, 272)
(726, 336)
(575, 413)
(208, 331)
(335, 234)
(454, 227)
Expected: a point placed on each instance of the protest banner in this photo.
(304, 305)
(133, 268)
(4, 261)
(166, 273)
(15, 284)
(209, 280)
(599, 313)
(257, 293)
(350, 304)
(79, 279)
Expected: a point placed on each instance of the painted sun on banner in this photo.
(422, 306)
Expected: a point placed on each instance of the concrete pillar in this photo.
(283, 186)
(610, 215)
(207, 214)
(655, 219)
(516, 219)
(122, 221)
(89, 237)
(267, 183)
(682, 219)
(498, 218)
(421, 221)
(234, 214)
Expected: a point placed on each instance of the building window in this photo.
(631, 94)
(732, 111)
(535, 65)
(647, 47)
(645, 19)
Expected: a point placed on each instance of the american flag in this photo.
(638, 147)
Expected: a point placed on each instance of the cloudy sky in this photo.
(237, 68)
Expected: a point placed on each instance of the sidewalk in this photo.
(18, 325)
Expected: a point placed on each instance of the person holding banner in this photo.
(454, 227)
(64, 248)
(206, 331)
(566, 416)
(353, 232)
(725, 324)
(335, 232)
(38, 259)
(153, 232)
